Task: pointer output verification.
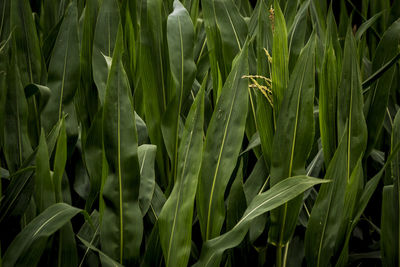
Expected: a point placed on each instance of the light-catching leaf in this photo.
(122, 225)
(223, 142)
(175, 220)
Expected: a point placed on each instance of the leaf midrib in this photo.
(219, 160)
(179, 195)
(121, 214)
(292, 150)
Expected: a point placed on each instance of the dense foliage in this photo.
(199, 132)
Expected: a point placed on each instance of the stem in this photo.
(285, 255)
(279, 262)
(279, 255)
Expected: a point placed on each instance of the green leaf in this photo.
(236, 202)
(43, 93)
(43, 226)
(86, 101)
(5, 20)
(293, 140)
(223, 142)
(153, 255)
(297, 34)
(226, 34)
(352, 195)
(328, 83)
(90, 230)
(63, 73)
(256, 180)
(67, 255)
(18, 193)
(264, 112)
(154, 76)
(16, 146)
(389, 227)
(324, 231)
(366, 25)
(26, 42)
(280, 59)
(175, 220)
(350, 105)
(378, 97)
(213, 39)
(146, 154)
(233, 30)
(180, 36)
(44, 187)
(279, 194)
(104, 42)
(105, 260)
(60, 160)
(392, 228)
(122, 225)
(93, 154)
(236, 206)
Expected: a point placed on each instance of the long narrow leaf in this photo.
(175, 220)
(223, 143)
(269, 200)
(122, 225)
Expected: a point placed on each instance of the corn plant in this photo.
(199, 132)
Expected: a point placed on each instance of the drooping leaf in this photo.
(17, 196)
(269, 200)
(43, 226)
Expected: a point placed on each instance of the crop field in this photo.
(199, 133)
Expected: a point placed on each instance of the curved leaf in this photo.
(43, 226)
(279, 194)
